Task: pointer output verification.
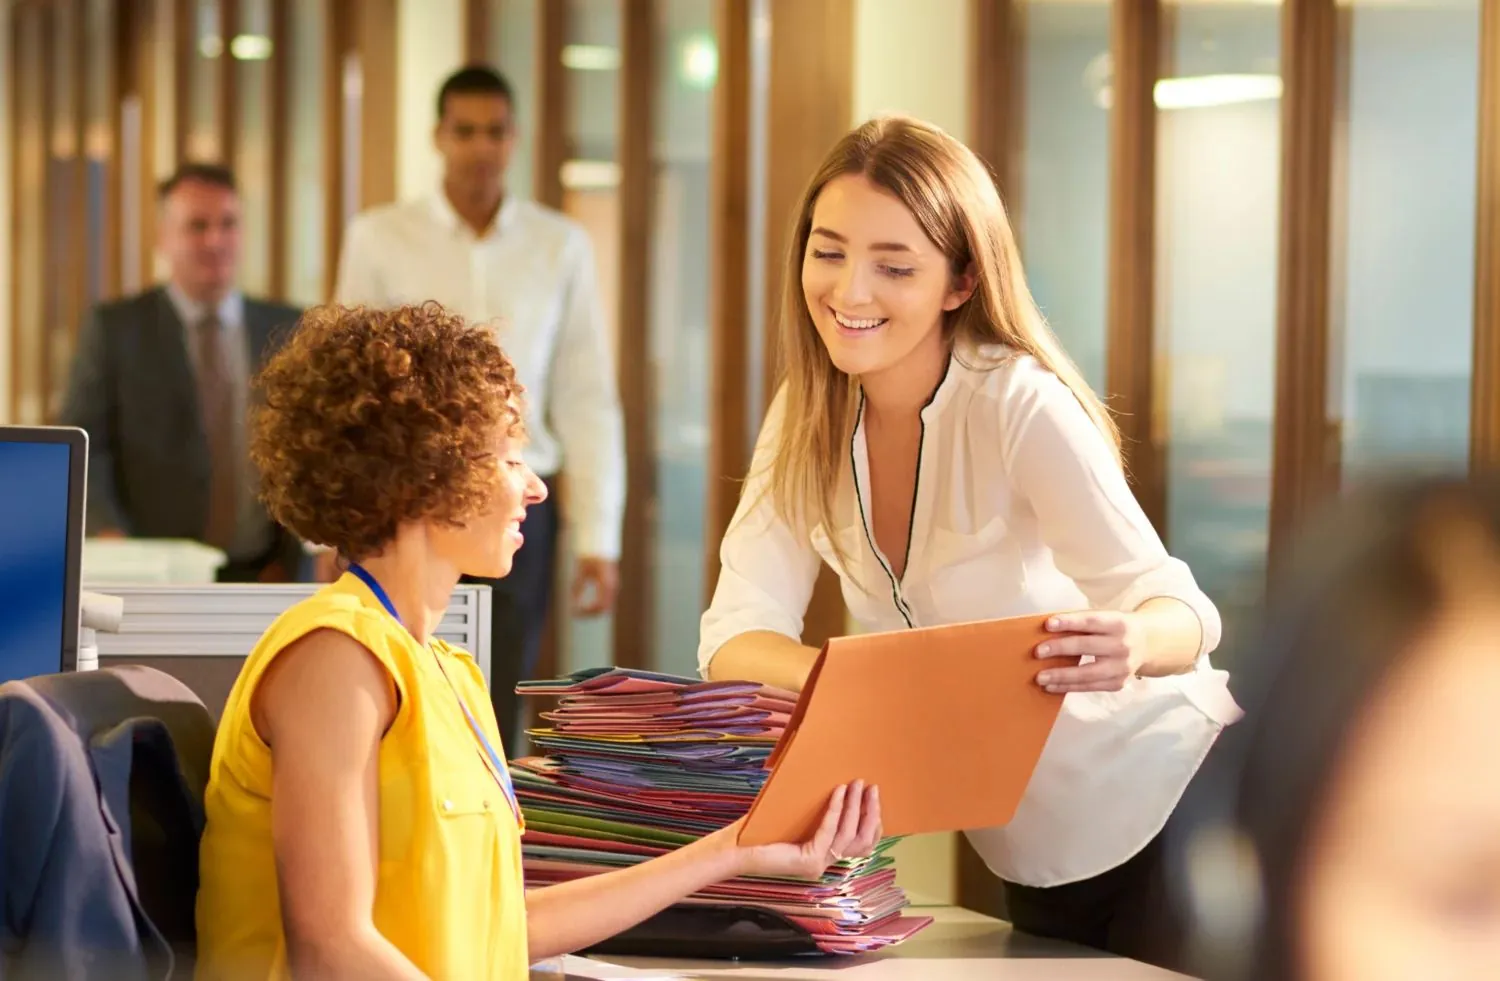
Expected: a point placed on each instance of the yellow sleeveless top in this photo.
(449, 889)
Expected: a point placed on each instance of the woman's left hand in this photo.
(1116, 641)
(850, 828)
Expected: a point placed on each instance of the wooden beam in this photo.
(77, 262)
(376, 27)
(550, 126)
(635, 609)
(812, 50)
(137, 26)
(226, 115)
(1484, 413)
(185, 47)
(338, 43)
(116, 84)
(477, 19)
(26, 71)
(1130, 338)
(278, 146)
(729, 444)
(996, 104)
(1304, 465)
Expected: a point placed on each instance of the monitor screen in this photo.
(41, 519)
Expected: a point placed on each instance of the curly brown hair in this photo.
(368, 419)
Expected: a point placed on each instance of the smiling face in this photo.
(486, 545)
(876, 286)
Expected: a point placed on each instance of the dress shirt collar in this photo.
(231, 309)
(449, 218)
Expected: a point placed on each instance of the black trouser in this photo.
(1125, 911)
(519, 613)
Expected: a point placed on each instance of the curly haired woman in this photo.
(361, 822)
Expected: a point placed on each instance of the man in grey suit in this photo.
(161, 385)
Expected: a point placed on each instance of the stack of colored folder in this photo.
(639, 763)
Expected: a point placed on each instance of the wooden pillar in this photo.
(361, 150)
(477, 16)
(550, 125)
(1130, 345)
(1484, 424)
(1304, 465)
(730, 445)
(635, 608)
(997, 127)
(812, 51)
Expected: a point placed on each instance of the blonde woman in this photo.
(934, 446)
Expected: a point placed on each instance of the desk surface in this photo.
(960, 945)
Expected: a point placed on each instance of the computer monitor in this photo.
(43, 477)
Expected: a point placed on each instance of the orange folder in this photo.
(947, 721)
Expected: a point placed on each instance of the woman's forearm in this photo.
(361, 953)
(766, 657)
(573, 915)
(1173, 636)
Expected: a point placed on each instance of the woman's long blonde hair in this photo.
(954, 200)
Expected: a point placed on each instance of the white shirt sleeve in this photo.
(1062, 466)
(358, 282)
(584, 411)
(767, 571)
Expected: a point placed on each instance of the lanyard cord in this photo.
(496, 765)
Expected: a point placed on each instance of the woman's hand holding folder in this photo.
(850, 829)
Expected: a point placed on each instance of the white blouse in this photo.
(1020, 509)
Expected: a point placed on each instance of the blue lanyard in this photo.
(500, 772)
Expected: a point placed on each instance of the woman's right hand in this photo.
(850, 829)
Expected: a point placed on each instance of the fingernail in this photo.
(1043, 650)
(1054, 689)
(1054, 623)
(1044, 678)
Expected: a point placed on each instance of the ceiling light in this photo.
(590, 175)
(250, 47)
(700, 61)
(591, 57)
(1201, 91)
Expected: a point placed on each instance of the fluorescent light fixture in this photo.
(591, 57)
(1202, 91)
(1199, 92)
(243, 47)
(700, 61)
(250, 47)
(590, 175)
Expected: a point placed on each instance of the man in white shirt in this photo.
(529, 272)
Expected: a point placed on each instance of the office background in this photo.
(1269, 232)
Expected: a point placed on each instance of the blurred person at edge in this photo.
(161, 384)
(528, 272)
(1349, 828)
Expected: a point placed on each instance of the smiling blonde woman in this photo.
(934, 446)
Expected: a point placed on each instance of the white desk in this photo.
(960, 945)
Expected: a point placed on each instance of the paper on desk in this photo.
(574, 966)
(947, 721)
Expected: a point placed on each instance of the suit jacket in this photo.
(102, 776)
(133, 391)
